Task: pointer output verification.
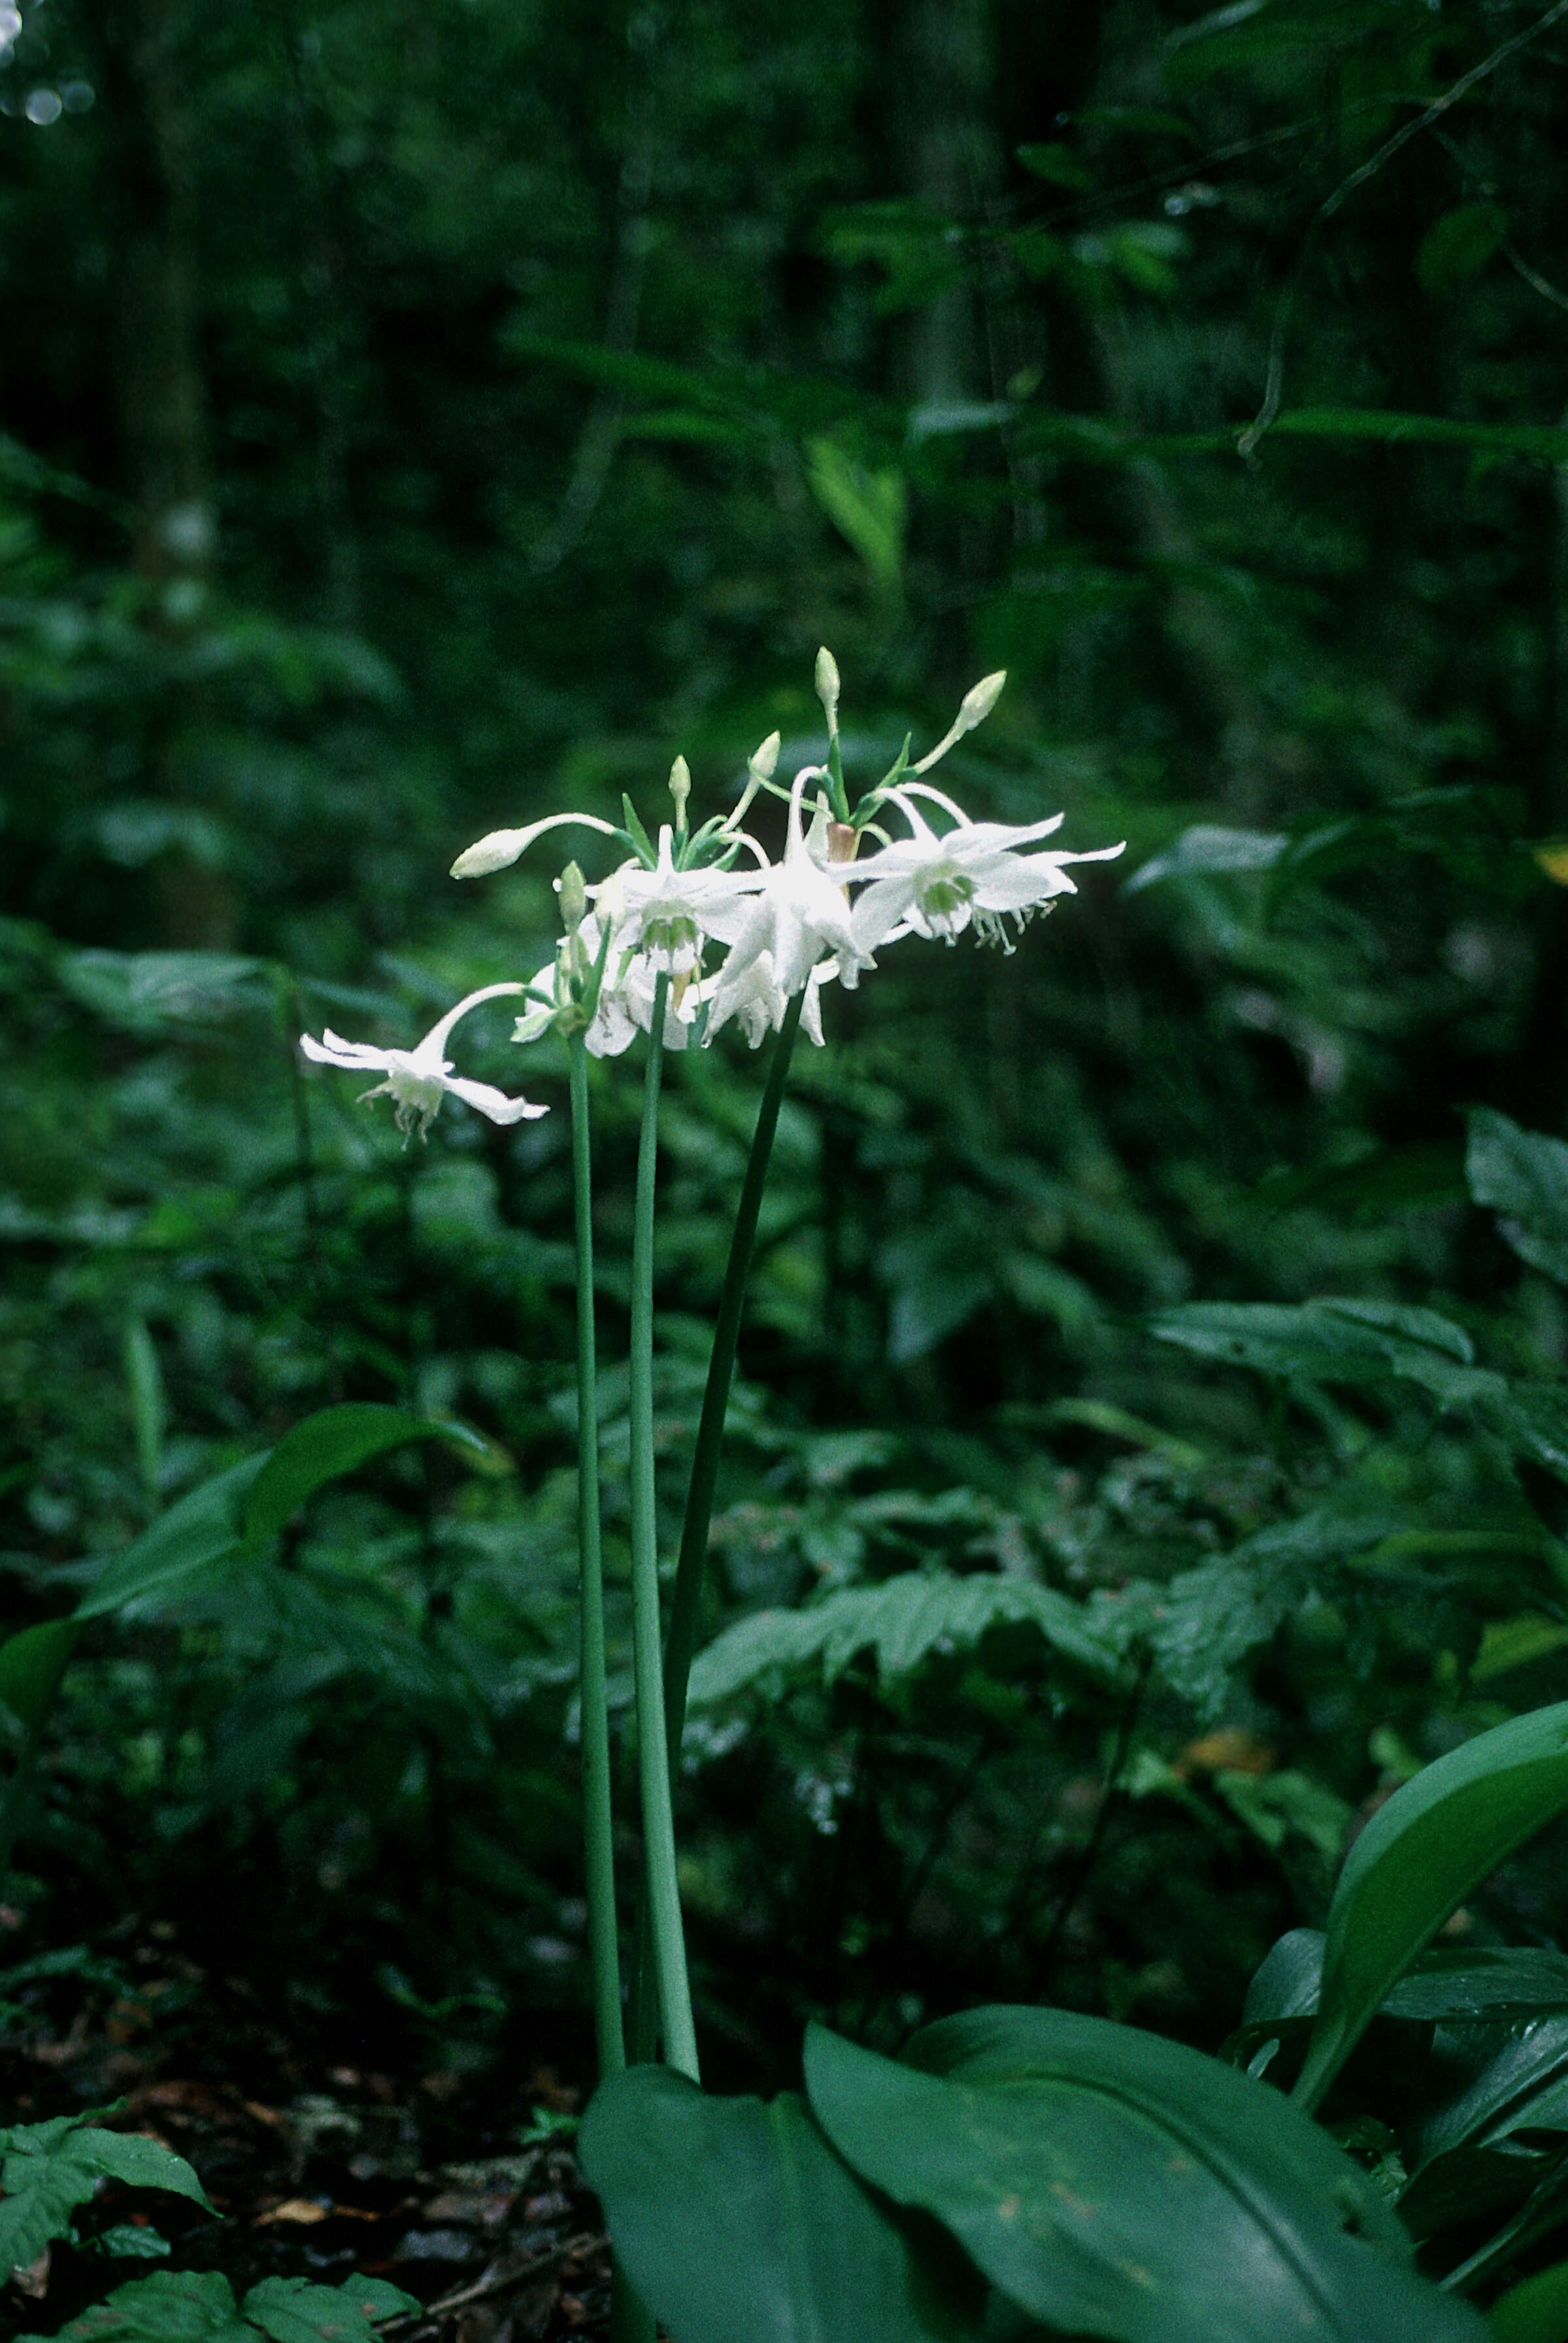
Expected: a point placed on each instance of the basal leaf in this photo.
(737, 2223)
(1113, 2184)
(1418, 1858)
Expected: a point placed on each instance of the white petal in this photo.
(492, 1101)
(335, 1052)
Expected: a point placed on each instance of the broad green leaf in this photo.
(170, 2307)
(294, 2310)
(1113, 2184)
(333, 1441)
(1419, 1856)
(47, 2169)
(1524, 1176)
(737, 2223)
(1533, 2311)
(1056, 163)
(902, 1621)
(203, 1528)
(31, 1666)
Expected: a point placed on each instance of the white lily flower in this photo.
(754, 995)
(666, 915)
(933, 885)
(797, 913)
(418, 1079)
(626, 996)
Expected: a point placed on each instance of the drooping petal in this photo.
(492, 1101)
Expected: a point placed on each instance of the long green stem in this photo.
(604, 1954)
(687, 1600)
(659, 1886)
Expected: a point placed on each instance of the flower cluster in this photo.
(706, 921)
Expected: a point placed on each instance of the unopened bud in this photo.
(573, 891)
(979, 699)
(491, 853)
(681, 786)
(826, 679)
(762, 761)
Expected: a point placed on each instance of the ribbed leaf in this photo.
(739, 2224)
(1420, 1856)
(1113, 2184)
(902, 1621)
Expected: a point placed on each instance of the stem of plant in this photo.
(687, 1600)
(604, 1954)
(660, 1886)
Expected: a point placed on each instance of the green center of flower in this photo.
(946, 898)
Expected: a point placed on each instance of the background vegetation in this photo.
(416, 420)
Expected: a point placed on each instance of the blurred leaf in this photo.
(297, 2311)
(31, 1666)
(1457, 246)
(1524, 1176)
(1533, 2311)
(1418, 1858)
(202, 1528)
(1113, 2184)
(867, 509)
(170, 2307)
(1056, 163)
(1335, 1340)
(1207, 847)
(736, 2218)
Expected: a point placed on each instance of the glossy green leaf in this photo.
(737, 2223)
(1509, 2078)
(1495, 1983)
(203, 1528)
(1524, 1176)
(1533, 2311)
(46, 2169)
(1110, 2183)
(333, 1441)
(1418, 1858)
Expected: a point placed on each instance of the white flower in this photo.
(753, 994)
(665, 916)
(797, 913)
(936, 885)
(417, 1079)
(625, 995)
